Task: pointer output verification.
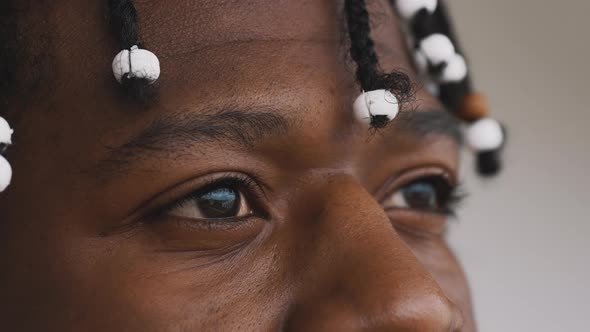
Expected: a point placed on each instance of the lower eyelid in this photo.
(425, 223)
(204, 235)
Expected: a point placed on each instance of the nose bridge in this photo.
(359, 274)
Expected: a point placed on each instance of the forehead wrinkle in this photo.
(189, 25)
(238, 44)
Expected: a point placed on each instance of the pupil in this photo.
(421, 196)
(219, 203)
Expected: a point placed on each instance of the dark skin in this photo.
(90, 241)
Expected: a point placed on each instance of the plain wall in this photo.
(524, 237)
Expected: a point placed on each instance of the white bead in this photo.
(437, 48)
(138, 63)
(5, 174)
(455, 70)
(376, 102)
(5, 132)
(485, 135)
(407, 9)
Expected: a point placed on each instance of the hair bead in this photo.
(409, 8)
(437, 48)
(455, 70)
(5, 132)
(474, 106)
(5, 174)
(489, 163)
(5, 140)
(441, 63)
(136, 63)
(485, 135)
(376, 108)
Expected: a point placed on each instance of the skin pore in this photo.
(96, 236)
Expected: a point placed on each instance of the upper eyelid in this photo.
(455, 196)
(407, 176)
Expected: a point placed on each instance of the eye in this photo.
(226, 198)
(432, 194)
(219, 203)
(221, 212)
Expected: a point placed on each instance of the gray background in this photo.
(523, 238)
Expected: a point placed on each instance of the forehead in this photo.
(286, 56)
(200, 40)
(290, 56)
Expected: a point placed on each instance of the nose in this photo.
(355, 273)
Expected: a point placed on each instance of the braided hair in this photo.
(433, 35)
(362, 51)
(434, 41)
(124, 22)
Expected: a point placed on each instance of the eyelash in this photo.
(452, 194)
(248, 184)
(455, 195)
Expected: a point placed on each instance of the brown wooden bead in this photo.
(475, 106)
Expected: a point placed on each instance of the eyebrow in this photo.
(230, 124)
(233, 125)
(429, 123)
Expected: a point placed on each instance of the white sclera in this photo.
(485, 135)
(5, 132)
(407, 9)
(138, 63)
(5, 174)
(455, 70)
(437, 48)
(376, 102)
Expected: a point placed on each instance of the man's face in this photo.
(245, 197)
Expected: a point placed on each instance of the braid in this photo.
(438, 53)
(368, 72)
(124, 21)
(451, 94)
(454, 94)
(8, 51)
(362, 47)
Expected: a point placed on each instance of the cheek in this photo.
(141, 288)
(436, 257)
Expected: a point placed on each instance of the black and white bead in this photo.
(5, 141)
(445, 74)
(136, 63)
(376, 108)
(407, 9)
(485, 135)
(437, 50)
